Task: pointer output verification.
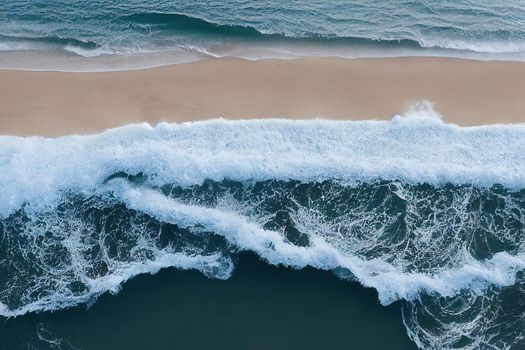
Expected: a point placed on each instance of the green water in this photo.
(260, 307)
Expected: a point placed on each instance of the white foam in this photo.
(390, 281)
(416, 147)
(88, 52)
(62, 298)
(494, 47)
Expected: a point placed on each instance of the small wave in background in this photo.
(97, 34)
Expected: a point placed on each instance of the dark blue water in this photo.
(186, 30)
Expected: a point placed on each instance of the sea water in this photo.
(428, 215)
(101, 35)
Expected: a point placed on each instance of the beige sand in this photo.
(465, 92)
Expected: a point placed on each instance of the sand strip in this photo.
(466, 92)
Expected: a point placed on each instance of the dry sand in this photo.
(465, 92)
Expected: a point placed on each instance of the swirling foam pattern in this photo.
(424, 212)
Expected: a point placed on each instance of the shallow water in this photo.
(96, 34)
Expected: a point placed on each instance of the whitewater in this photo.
(426, 213)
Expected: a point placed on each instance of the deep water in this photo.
(259, 307)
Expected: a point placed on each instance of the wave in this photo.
(272, 247)
(82, 48)
(182, 23)
(50, 40)
(415, 148)
(409, 242)
(147, 32)
(428, 214)
(240, 231)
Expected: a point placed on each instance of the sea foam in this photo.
(390, 282)
(40, 178)
(414, 148)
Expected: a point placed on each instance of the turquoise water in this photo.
(92, 34)
(339, 233)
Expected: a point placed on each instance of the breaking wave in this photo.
(427, 213)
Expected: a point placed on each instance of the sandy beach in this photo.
(465, 92)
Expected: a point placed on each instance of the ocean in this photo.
(101, 35)
(262, 234)
(411, 217)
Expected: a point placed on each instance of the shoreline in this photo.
(465, 92)
(53, 61)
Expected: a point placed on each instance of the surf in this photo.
(417, 209)
(166, 33)
(415, 148)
